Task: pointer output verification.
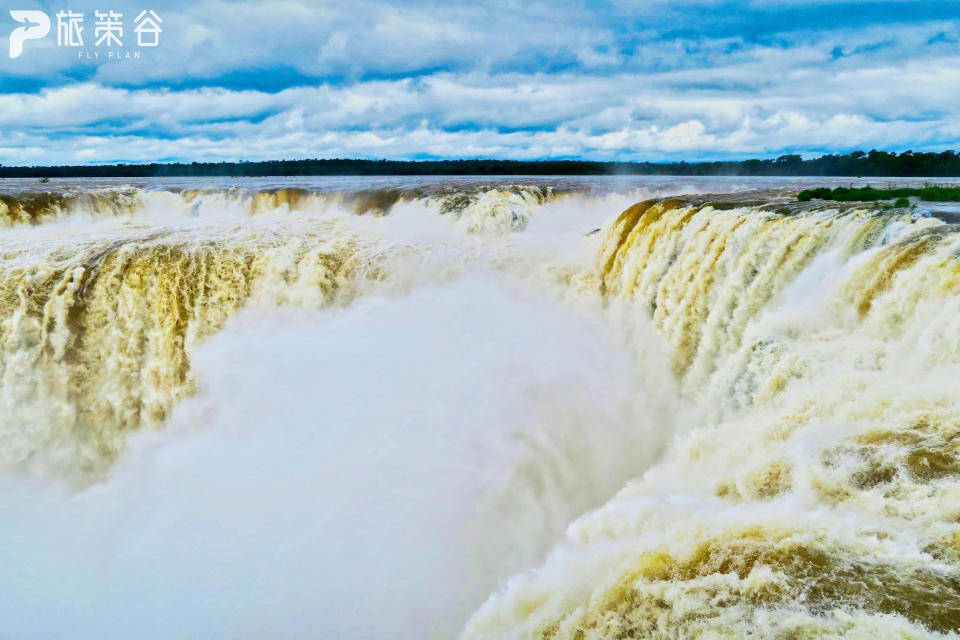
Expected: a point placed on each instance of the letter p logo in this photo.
(36, 24)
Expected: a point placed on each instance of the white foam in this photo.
(370, 473)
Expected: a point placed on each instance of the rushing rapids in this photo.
(816, 491)
(750, 416)
(97, 330)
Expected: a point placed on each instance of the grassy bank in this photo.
(870, 194)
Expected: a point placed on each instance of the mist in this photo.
(373, 472)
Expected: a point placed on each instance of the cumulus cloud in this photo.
(691, 80)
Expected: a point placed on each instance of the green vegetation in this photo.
(930, 193)
(856, 164)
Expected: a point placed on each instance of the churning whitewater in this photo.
(525, 408)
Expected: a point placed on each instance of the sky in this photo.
(604, 80)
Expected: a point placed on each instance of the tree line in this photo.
(855, 164)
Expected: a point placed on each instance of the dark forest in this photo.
(856, 164)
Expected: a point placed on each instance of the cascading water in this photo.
(815, 494)
(353, 411)
(97, 324)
